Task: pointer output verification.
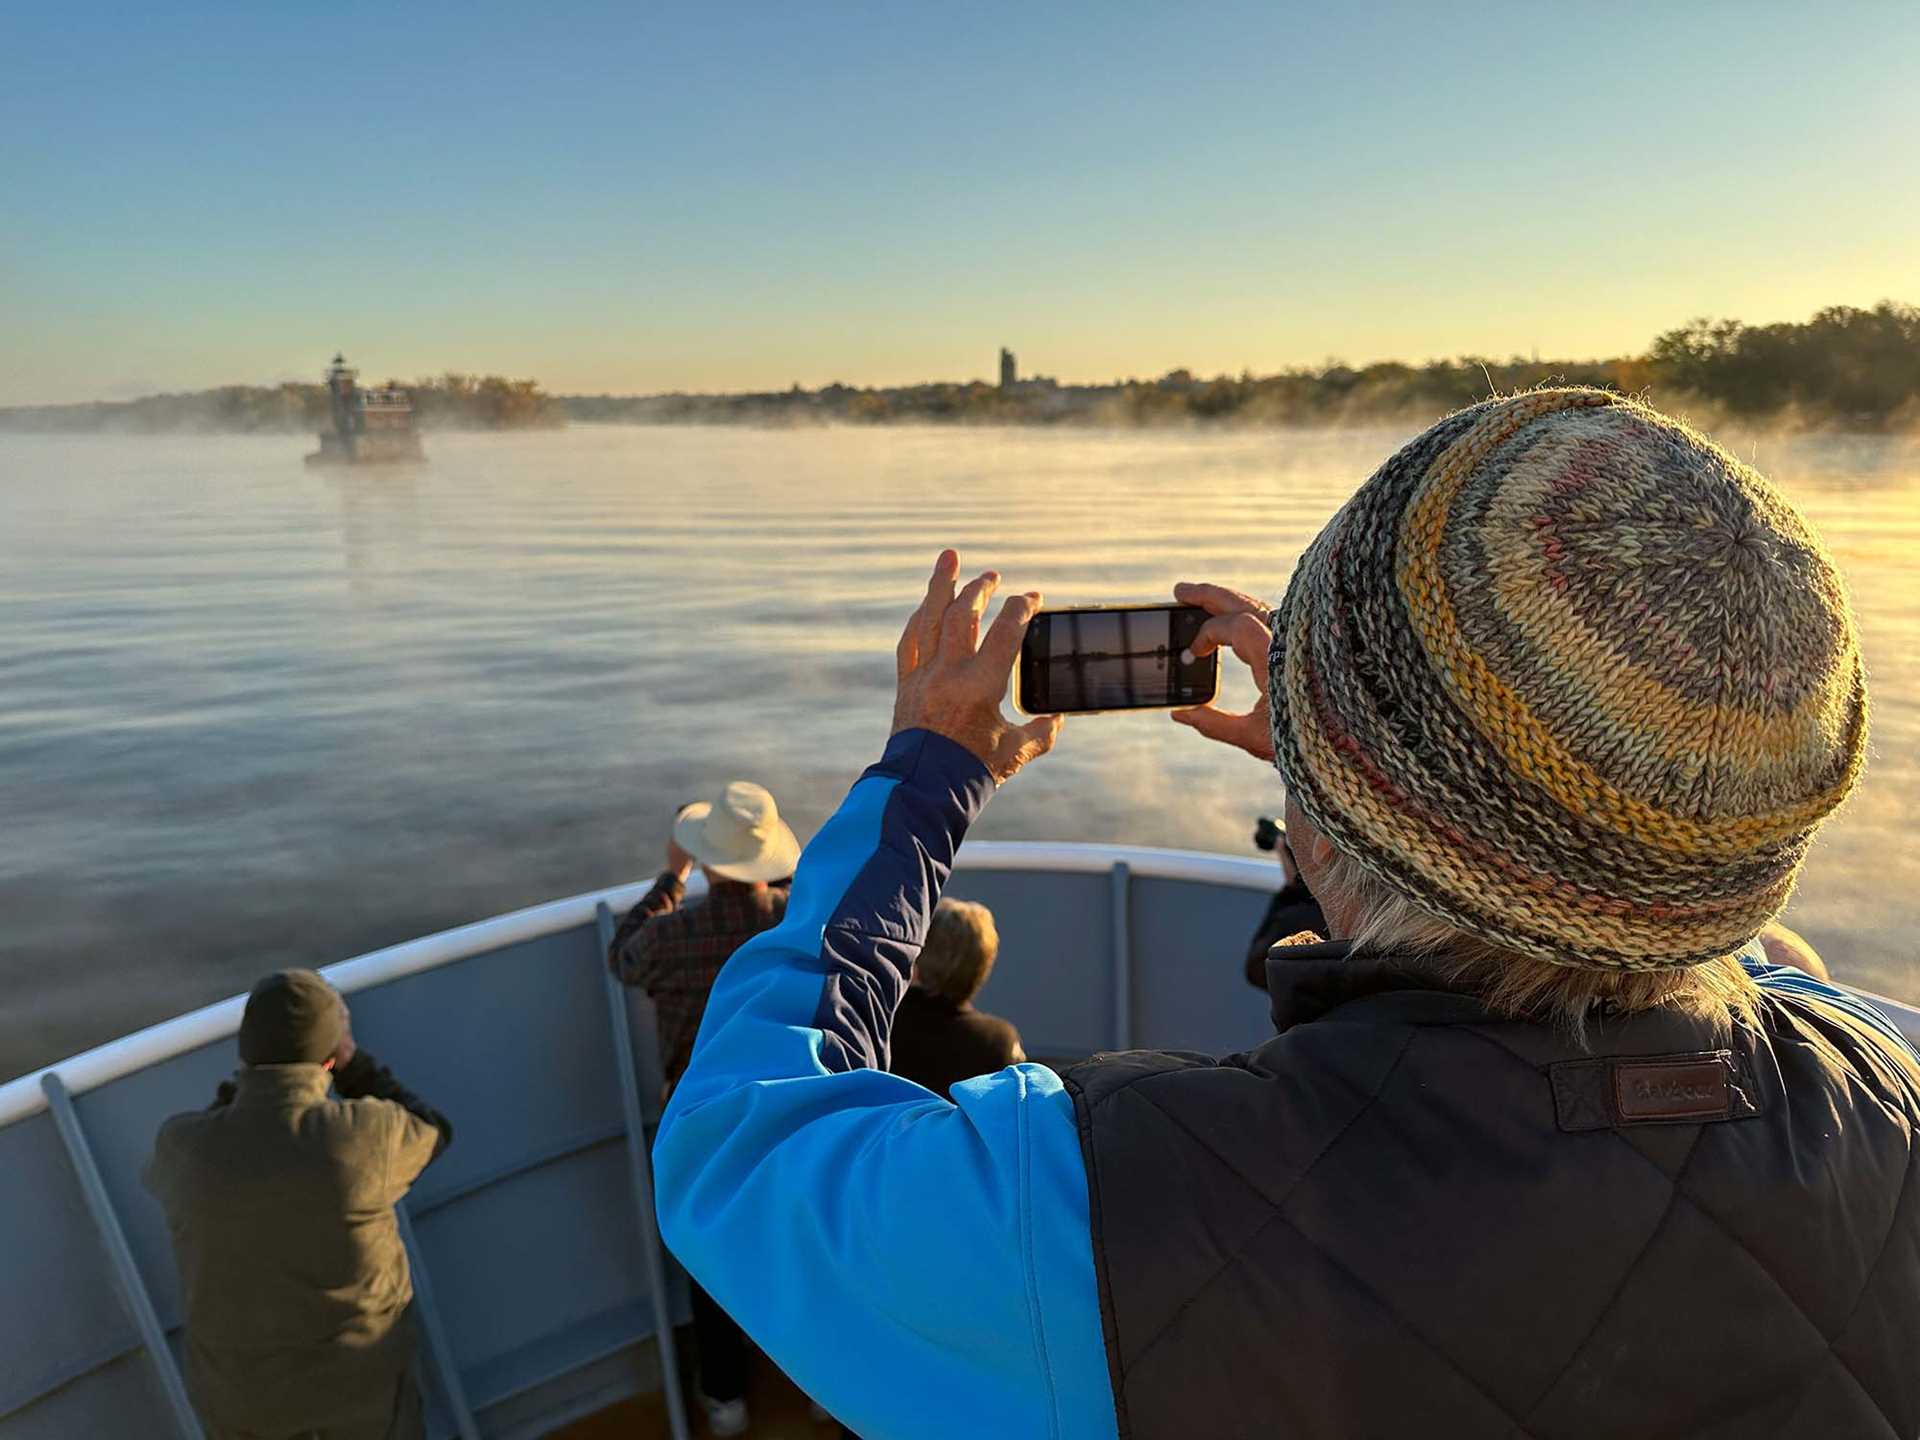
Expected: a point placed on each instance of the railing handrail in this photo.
(157, 1043)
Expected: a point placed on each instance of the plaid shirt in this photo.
(674, 954)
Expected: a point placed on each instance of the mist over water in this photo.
(254, 715)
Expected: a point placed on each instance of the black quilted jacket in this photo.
(1402, 1217)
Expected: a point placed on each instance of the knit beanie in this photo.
(293, 1017)
(1573, 680)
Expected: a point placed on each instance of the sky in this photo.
(634, 197)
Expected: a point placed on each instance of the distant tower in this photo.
(1008, 371)
(340, 399)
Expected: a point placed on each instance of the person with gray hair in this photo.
(1542, 1145)
(279, 1197)
(939, 1039)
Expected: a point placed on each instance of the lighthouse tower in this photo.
(340, 400)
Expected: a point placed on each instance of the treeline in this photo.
(485, 402)
(449, 402)
(1861, 366)
(1845, 368)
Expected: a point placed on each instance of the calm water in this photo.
(253, 715)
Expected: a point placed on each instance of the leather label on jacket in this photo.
(1690, 1090)
(1650, 1090)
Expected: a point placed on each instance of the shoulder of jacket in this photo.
(1807, 1016)
(1100, 1077)
(182, 1128)
(361, 1110)
(667, 925)
(1002, 1030)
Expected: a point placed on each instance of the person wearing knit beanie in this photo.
(293, 1017)
(1539, 1144)
(1570, 679)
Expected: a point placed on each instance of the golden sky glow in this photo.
(632, 201)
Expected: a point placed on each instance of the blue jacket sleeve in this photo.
(1787, 980)
(918, 1267)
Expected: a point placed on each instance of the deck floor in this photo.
(779, 1411)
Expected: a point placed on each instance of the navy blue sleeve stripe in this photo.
(870, 941)
(823, 1202)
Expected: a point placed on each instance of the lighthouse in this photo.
(370, 427)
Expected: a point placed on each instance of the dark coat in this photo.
(1291, 912)
(936, 1042)
(1406, 1216)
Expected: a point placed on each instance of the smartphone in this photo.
(1113, 657)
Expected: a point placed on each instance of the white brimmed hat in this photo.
(740, 836)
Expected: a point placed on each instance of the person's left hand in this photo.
(950, 681)
(1242, 624)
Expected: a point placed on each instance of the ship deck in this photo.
(546, 1301)
(779, 1412)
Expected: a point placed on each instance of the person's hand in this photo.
(344, 1052)
(1241, 623)
(1790, 947)
(950, 681)
(678, 860)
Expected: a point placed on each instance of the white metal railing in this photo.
(93, 1068)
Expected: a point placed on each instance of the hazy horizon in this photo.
(987, 375)
(627, 202)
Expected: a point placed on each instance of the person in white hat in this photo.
(673, 951)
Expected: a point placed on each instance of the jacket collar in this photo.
(1327, 980)
(1311, 980)
(279, 1084)
(921, 996)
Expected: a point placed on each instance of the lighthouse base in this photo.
(397, 449)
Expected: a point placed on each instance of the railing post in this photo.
(640, 1167)
(437, 1343)
(1122, 957)
(133, 1290)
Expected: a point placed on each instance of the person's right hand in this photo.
(1242, 624)
(679, 861)
(951, 679)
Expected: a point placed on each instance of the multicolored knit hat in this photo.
(1572, 679)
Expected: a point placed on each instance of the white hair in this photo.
(1524, 986)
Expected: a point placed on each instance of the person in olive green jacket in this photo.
(280, 1201)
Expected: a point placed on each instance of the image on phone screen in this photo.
(1113, 658)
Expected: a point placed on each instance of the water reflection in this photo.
(379, 523)
(255, 714)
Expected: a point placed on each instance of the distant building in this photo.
(1009, 372)
(370, 427)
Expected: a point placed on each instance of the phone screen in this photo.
(1122, 658)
